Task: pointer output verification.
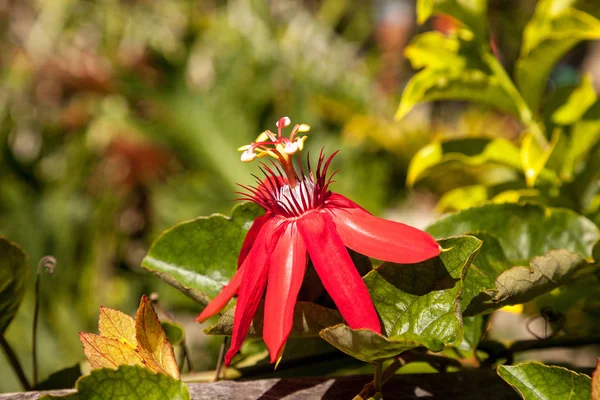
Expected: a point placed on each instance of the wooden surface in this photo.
(476, 384)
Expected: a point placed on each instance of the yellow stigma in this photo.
(276, 146)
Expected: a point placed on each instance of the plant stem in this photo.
(36, 312)
(220, 360)
(14, 363)
(377, 377)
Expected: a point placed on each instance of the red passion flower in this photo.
(304, 218)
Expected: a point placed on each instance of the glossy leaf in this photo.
(533, 250)
(555, 28)
(127, 382)
(535, 381)
(471, 13)
(419, 305)
(456, 69)
(309, 320)
(200, 256)
(14, 274)
(125, 341)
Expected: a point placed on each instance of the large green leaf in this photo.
(456, 69)
(535, 381)
(14, 274)
(464, 153)
(200, 256)
(419, 305)
(309, 320)
(127, 383)
(533, 250)
(554, 29)
(472, 13)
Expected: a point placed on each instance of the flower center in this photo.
(278, 147)
(284, 191)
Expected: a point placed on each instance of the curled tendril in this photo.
(47, 264)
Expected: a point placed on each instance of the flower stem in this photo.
(14, 363)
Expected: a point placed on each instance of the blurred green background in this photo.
(119, 119)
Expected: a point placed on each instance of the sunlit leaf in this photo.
(555, 28)
(14, 274)
(535, 381)
(455, 69)
(125, 341)
(200, 256)
(152, 339)
(439, 156)
(535, 152)
(127, 382)
(579, 101)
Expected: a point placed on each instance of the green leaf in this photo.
(523, 230)
(14, 274)
(473, 153)
(309, 320)
(555, 28)
(127, 383)
(174, 331)
(368, 346)
(419, 305)
(472, 13)
(453, 69)
(579, 101)
(404, 295)
(553, 243)
(200, 256)
(535, 381)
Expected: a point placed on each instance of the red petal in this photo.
(379, 238)
(251, 237)
(286, 272)
(253, 283)
(222, 298)
(232, 287)
(337, 271)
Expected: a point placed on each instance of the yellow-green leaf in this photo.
(125, 341)
(535, 152)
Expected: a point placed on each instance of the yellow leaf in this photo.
(103, 352)
(117, 325)
(125, 341)
(151, 337)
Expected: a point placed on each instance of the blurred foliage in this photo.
(119, 119)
